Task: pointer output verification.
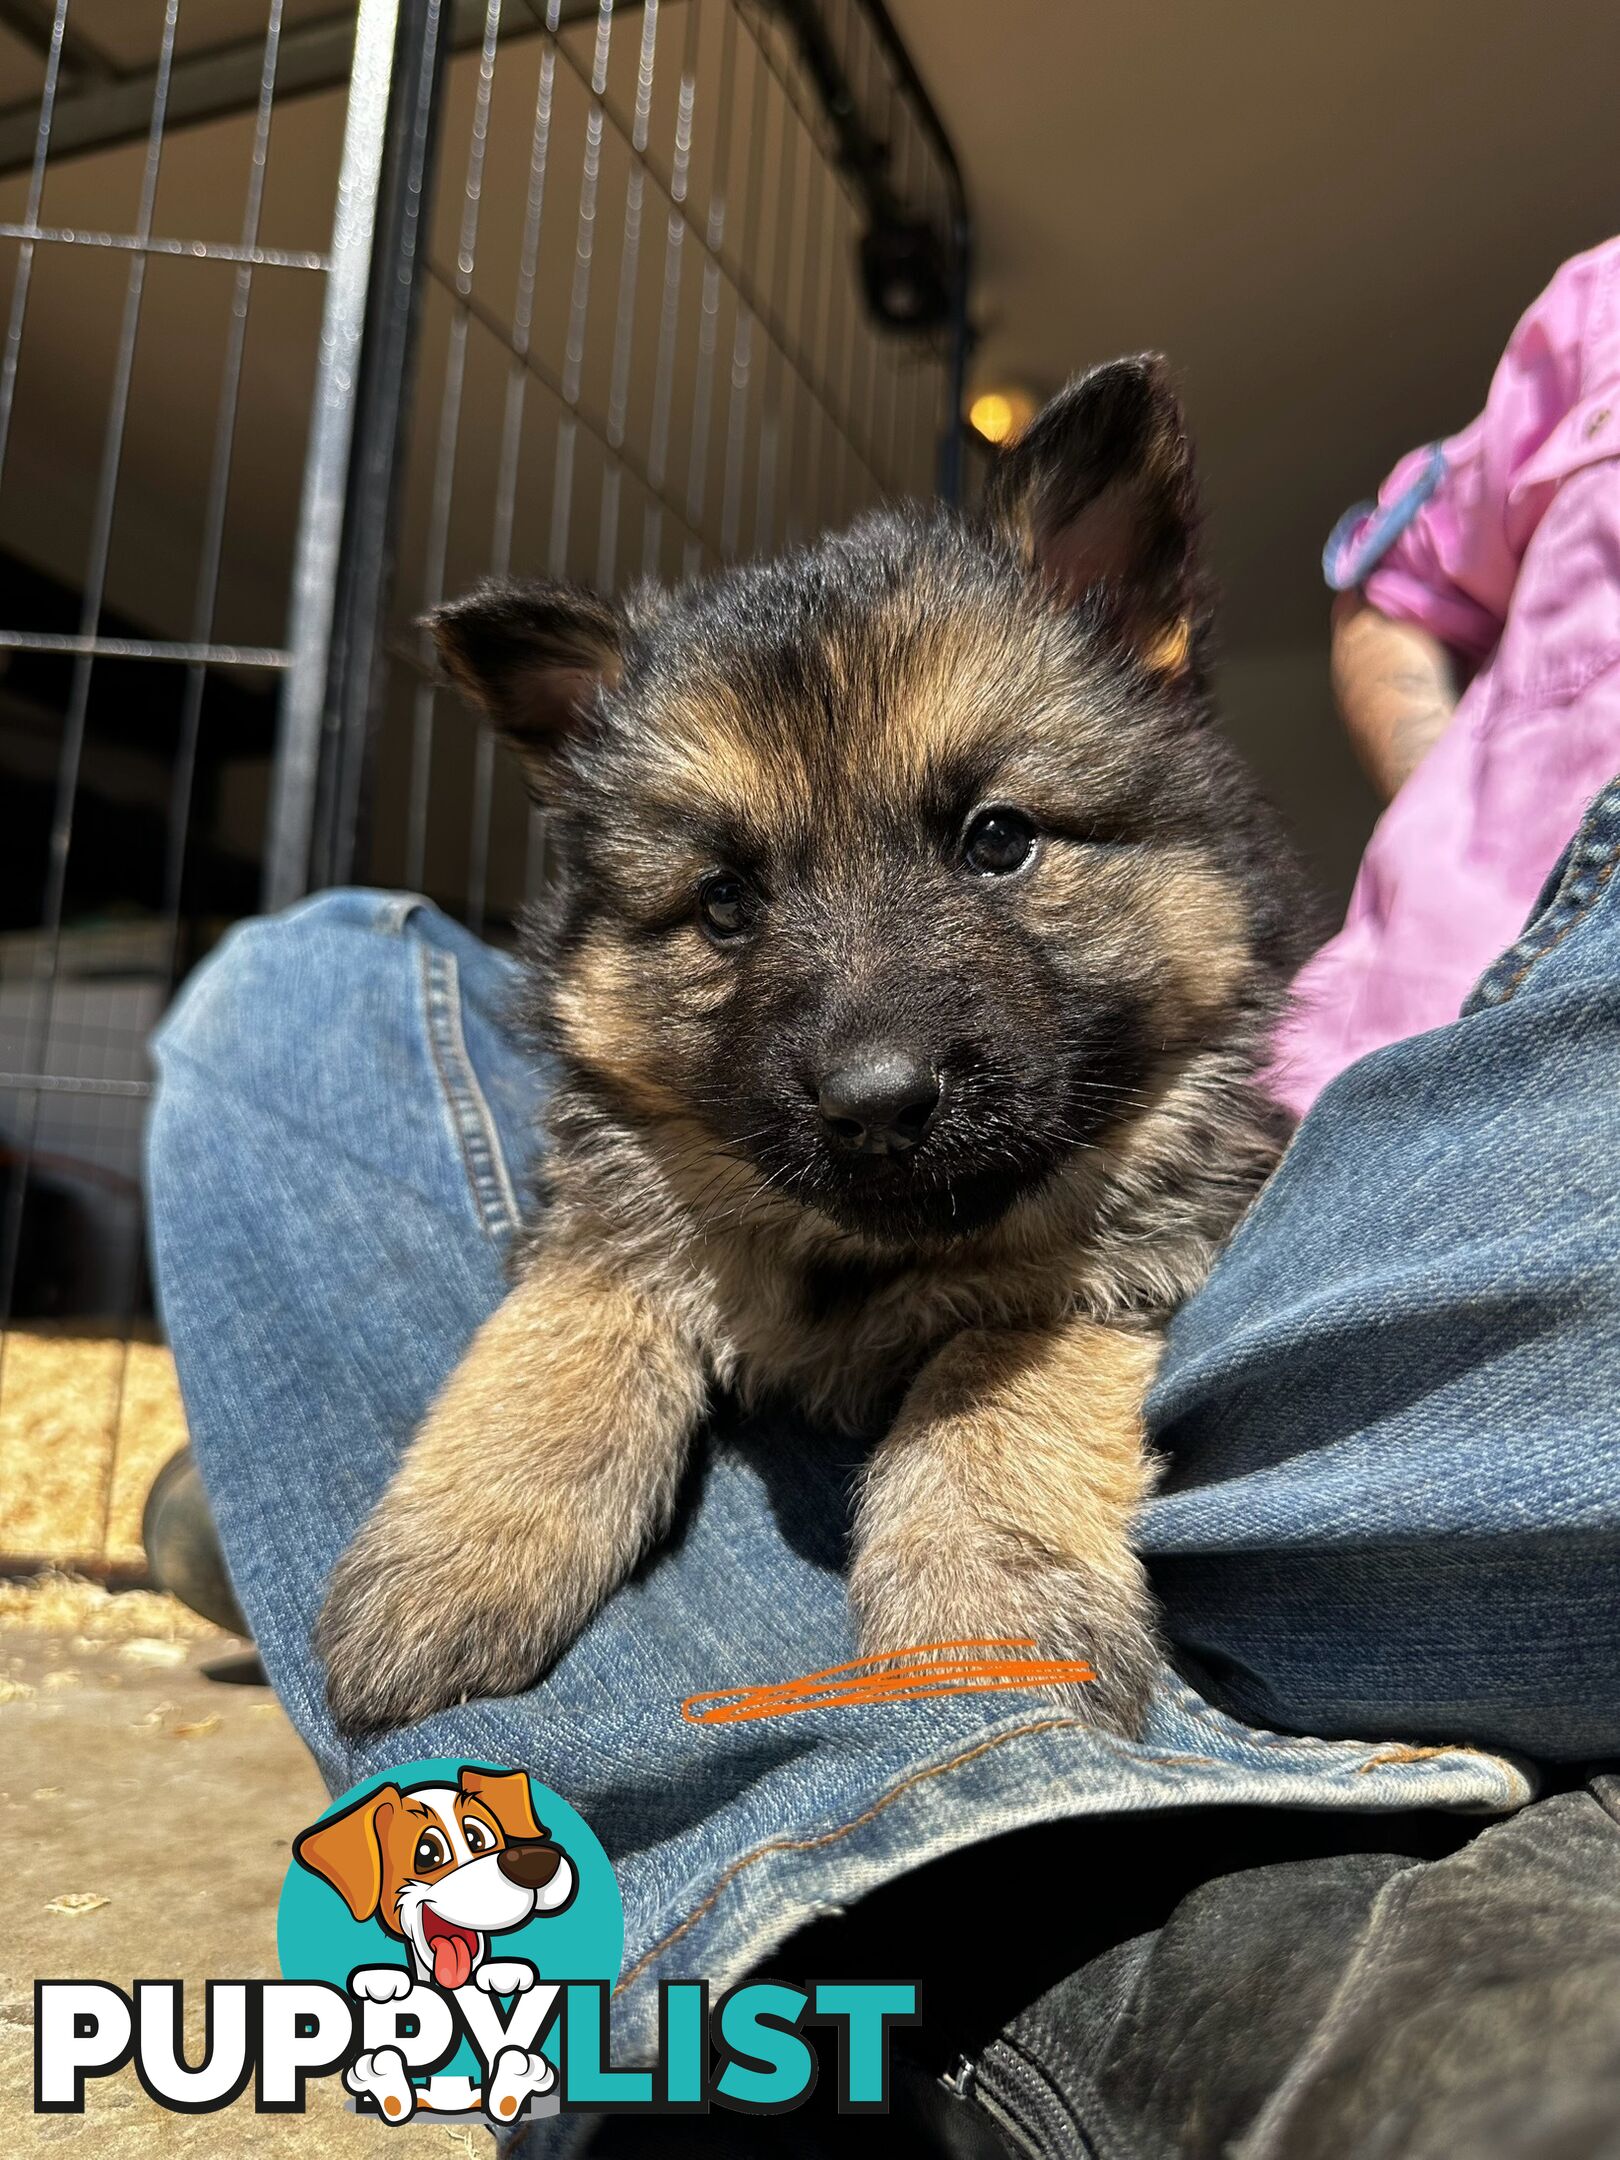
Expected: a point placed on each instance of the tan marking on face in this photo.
(660, 879)
(1073, 884)
(713, 753)
(909, 693)
(622, 1011)
(1202, 932)
(601, 1006)
(1166, 919)
(947, 690)
(1089, 902)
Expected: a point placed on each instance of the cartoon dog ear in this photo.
(346, 1850)
(534, 656)
(506, 1794)
(1099, 496)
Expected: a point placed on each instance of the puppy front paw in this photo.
(1008, 1590)
(412, 1624)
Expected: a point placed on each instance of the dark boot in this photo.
(182, 1545)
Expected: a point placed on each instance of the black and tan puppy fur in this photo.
(913, 946)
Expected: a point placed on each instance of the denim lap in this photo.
(1392, 1501)
(337, 1156)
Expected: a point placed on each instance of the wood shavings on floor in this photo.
(86, 1422)
(146, 1622)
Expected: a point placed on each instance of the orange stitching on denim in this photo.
(1400, 1753)
(831, 1837)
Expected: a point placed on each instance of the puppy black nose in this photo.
(879, 1101)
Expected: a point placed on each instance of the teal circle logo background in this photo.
(317, 1938)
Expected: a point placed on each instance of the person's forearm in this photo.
(1396, 689)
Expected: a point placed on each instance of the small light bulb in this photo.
(992, 416)
(999, 415)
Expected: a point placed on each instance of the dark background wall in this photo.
(1329, 217)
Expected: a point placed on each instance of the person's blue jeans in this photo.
(1390, 1518)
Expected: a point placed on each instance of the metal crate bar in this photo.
(168, 649)
(74, 1084)
(102, 108)
(151, 244)
(47, 969)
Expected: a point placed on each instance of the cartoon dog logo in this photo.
(443, 1868)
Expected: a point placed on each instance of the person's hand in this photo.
(1396, 689)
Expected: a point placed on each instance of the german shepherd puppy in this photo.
(913, 947)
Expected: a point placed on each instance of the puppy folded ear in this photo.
(506, 1794)
(1099, 498)
(346, 1850)
(535, 657)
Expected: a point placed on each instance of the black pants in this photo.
(1356, 2004)
(1236, 1985)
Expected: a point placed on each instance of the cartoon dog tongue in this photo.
(452, 1954)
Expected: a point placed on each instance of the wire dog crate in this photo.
(312, 316)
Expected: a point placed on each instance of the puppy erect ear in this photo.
(506, 1794)
(534, 657)
(1099, 492)
(346, 1850)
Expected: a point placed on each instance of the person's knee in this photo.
(268, 969)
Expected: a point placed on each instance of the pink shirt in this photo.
(1514, 561)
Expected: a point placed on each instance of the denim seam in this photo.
(470, 1118)
(1257, 1736)
(1582, 908)
(1368, 1755)
(397, 912)
(1363, 1753)
(831, 1837)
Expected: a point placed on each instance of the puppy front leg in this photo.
(1000, 1505)
(543, 1471)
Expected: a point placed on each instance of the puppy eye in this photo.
(727, 906)
(478, 1838)
(998, 842)
(431, 1851)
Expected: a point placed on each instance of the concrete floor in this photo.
(146, 1814)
